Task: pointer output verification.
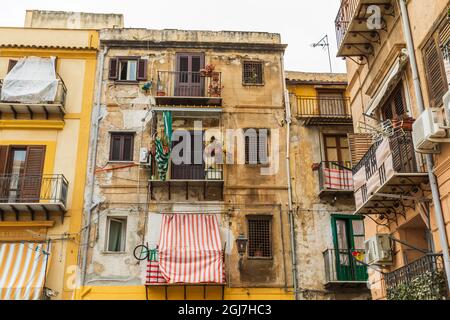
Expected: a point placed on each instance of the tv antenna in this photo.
(324, 43)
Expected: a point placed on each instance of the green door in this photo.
(348, 237)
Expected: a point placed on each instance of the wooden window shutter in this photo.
(3, 159)
(11, 64)
(31, 184)
(113, 69)
(437, 79)
(359, 144)
(142, 70)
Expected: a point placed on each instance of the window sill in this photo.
(111, 253)
(120, 162)
(253, 84)
(126, 82)
(260, 258)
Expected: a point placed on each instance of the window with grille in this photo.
(259, 236)
(395, 106)
(253, 73)
(256, 146)
(121, 148)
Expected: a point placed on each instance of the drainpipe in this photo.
(288, 168)
(430, 163)
(89, 193)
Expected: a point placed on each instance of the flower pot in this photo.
(160, 93)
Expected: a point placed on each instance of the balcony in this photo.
(45, 108)
(355, 36)
(423, 279)
(322, 110)
(179, 88)
(335, 178)
(342, 270)
(388, 176)
(205, 181)
(33, 194)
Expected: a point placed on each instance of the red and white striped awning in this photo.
(22, 270)
(190, 249)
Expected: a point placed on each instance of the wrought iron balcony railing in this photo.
(389, 167)
(342, 267)
(335, 176)
(322, 110)
(344, 17)
(46, 108)
(422, 279)
(33, 189)
(190, 88)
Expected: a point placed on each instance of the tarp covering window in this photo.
(31, 80)
(190, 249)
(22, 270)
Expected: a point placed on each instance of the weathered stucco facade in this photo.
(317, 199)
(136, 193)
(372, 86)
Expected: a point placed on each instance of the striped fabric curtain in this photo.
(22, 270)
(190, 249)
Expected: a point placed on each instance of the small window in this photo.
(117, 228)
(127, 70)
(259, 236)
(256, 146)
(121, 148)
(253, 73)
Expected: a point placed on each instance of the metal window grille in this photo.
(260, 237)
(253, 72)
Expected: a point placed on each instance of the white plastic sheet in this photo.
(32, 80)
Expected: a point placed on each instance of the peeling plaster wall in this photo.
(313, 213)
(245, 191)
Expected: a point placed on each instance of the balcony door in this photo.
(331, 103)
(348, 237)
(191, 171)
(188, 82)
(21, 175)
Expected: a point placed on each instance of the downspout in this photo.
(430, 163)
(88, 205)
(288, 169)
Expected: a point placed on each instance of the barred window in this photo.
(253, 73)
(259, 236)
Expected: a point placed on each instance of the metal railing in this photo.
(189, 84)
(341, 266)
(208, 171)
(430, 266)
(323, 107)
(60, 98)
(45, 188)
(403, 155)
(334, 175)
(344, 17)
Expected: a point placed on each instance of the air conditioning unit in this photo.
(428, 129)
(145, 157)
(379, 250)
(447, 107)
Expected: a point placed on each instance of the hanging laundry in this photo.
(162, 159)
(167, 117)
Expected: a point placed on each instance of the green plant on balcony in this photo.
(430, 285)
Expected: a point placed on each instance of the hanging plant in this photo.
(208, 70)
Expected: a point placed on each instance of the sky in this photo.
(300, 22)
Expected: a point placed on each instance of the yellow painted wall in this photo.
(66, 139)
(178, 293)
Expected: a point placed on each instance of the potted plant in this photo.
(207, 71)
(403, 123)
(258, 253)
